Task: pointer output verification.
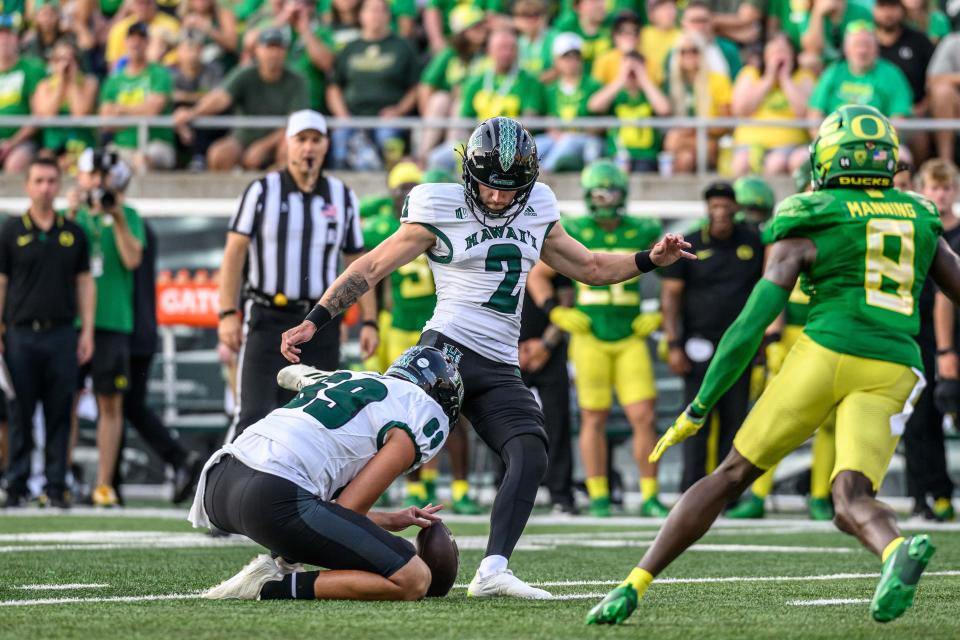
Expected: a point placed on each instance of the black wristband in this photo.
(549, 305)
(319, 316)
(943, 352)
(370, 323)
(223, 313)
(675, 344)
(644, 262)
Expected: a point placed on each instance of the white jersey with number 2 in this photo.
(480, 272)
(331, 429)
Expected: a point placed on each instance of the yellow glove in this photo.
(684, 427)
(776, 354)
(571, 320)
(646, 323)
(663, 349)
(758, 381)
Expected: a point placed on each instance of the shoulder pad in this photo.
(435, 203)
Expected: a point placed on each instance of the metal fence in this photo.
(700, 125)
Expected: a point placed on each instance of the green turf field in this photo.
(135, 575)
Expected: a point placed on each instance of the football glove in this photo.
(946, 395)
(646, 323)
(684, 427)
(571, 320)
(776, 353)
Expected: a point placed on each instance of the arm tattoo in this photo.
(344, 292)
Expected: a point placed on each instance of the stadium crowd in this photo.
(778, 60)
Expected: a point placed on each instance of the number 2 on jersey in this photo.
(340, 403)
(505, 299)
(880, 267)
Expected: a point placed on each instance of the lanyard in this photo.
(505, 87)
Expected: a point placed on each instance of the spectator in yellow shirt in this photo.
(774, 90)
(694, 90)
(164, 30)
(626, 38)
(659, 37)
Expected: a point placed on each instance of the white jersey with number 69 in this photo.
(480, 272)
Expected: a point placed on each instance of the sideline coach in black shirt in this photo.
(291, 229)
(44, 281)
(699, 300)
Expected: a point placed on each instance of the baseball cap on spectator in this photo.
(626, 17)
(305, 120)
(139, 29)
(192, 35)
(858, 26)
(404, 173)
(565, 43)
(719, 189)
(273, 36)
(465, 16)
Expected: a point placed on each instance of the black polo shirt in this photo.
(41, 269)
(718, 283)
(911, 53)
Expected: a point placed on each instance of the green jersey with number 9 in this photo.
(480, 271)
(874, 248)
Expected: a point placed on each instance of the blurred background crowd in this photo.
(776, 60)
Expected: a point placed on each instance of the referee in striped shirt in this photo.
(284, 246)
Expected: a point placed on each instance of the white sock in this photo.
(491, 565)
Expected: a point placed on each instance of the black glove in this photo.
(946, 395)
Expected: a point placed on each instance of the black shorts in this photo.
(110, 366)
(291, 522)
(495, 399)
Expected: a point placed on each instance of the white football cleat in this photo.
(288, 567)
(246, 585)
(294, 377)
(504, 583)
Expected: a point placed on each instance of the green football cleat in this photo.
(820, 509)
(600, 507)
(943, 510)
(465, 506)
(899, 577)
(615, 608)
(750, 508)
(431, 488)
(653, 508)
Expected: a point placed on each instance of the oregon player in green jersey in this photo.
(608, 345)
(865, 250)
(788, 330)
(411, 299)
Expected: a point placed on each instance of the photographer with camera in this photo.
(115, 234)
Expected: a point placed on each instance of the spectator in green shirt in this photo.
(818, 31)
(441, 80)
(373, 76)
(265, 88)
(862, 78)
(140, 88)
(531, 19)
(403, 15)
(343, 22)
(923, 16)
(632, 96)
(19, 77)
(588, 22)
(566, 98)
(66, 91)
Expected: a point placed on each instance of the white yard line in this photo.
(827, 602)
(61, 587)
(166, 596)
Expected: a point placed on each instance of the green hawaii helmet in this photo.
(856, 147)
(605, 187)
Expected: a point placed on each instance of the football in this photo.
(436, 547)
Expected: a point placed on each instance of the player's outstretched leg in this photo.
(689, 519)
(525, 457)
(860, 514)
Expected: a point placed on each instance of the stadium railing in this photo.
(701, 125)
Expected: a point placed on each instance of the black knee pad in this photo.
(526, 453)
